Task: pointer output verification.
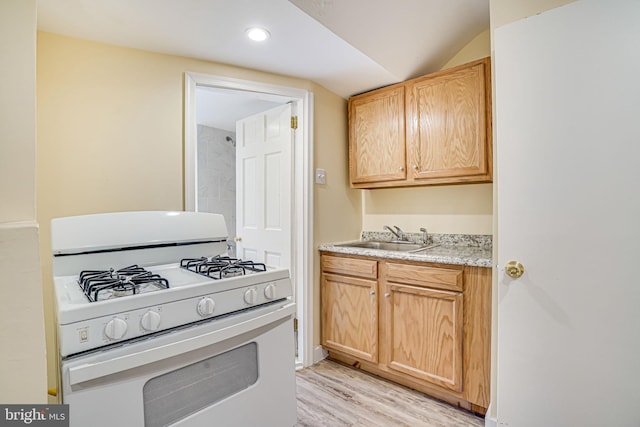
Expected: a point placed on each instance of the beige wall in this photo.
(337, 212)
(110, 138)
(22, 353)
(458, 209)
(17, 110)
(477, 48)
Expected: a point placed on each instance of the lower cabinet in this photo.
(350, 313)
(426, 326)
(350, 306)
(423, 334)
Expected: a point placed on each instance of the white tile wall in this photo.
(217, 174)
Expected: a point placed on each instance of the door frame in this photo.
(302, 203)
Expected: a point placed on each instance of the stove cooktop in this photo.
(100, 285)
(220, 267)
(73, 305)
(103, 298)
(190, 297)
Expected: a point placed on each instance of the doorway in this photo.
(218, 113)
(212, 106)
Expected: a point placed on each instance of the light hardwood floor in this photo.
(334, 395)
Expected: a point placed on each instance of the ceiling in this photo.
(220, 108)
(346, 46)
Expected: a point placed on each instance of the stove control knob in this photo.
(270, 291)
(250, 296)
(115, 328)
(206, 306)
(150, 321)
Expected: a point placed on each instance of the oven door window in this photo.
(180, 393)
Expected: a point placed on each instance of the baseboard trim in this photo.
(319, 353)
(488, 420)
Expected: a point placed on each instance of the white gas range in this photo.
(147, 301)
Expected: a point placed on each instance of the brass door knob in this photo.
(514, 269)
(237, 239)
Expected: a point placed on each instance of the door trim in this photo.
(302, 204)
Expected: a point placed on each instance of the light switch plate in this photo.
(321, 176)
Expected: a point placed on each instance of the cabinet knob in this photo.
(401, 168)
(372, 292)
(387, 295)
(415, 167)
(514, 269)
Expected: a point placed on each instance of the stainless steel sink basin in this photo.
(387, 246)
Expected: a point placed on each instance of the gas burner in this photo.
(100, 285)
(220, 267)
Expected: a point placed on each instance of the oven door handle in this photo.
(92, 371)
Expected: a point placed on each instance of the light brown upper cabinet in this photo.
(377, 136)
(434, 129)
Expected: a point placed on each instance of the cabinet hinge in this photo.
(294, 122)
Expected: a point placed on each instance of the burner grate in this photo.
(100, 285)
(220, 267)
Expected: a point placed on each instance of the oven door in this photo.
(234, 371)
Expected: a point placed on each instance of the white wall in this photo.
(22, 355)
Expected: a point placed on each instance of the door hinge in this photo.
(294, 122)
(295, 324)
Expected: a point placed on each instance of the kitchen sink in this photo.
(388, 246)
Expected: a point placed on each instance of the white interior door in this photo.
(568, 168)
(264, 187)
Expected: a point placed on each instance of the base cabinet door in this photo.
(350, 316)
(423, 333)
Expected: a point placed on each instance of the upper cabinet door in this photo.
(449, 125)
(447, 119)
(377, 136)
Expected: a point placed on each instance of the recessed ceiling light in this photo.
(258, 34)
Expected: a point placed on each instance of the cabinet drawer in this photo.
(350, 266)
(433, 277)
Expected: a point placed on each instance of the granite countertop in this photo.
(457, 249)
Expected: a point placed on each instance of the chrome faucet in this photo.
(425, 235)
(397, 232)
